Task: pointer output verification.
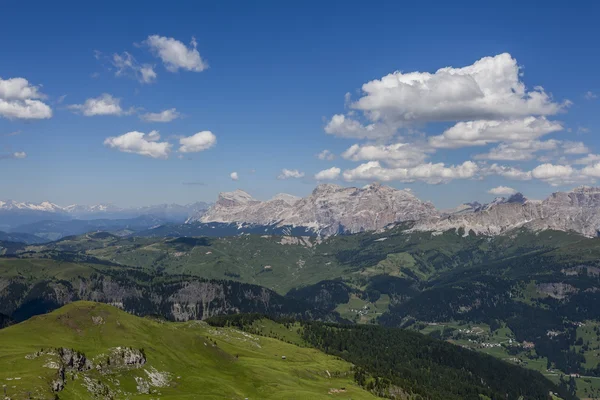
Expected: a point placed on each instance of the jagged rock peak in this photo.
(586, 190)
(288, 198)
(517, 198)
(329, 209)
(237, 196)
(326, 188)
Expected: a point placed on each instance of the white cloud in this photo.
(290, 173)
(105, 104)
(21, 100)
(592, 170)
(489, 89)
(575, 148)
(554, 174)
(328, 174)
(508, 172)
(590, 95)
(163, 116)
(343, 126)
(175, 54)
(589, 159)
(234, 176)
(198, 142)
(17, 155)
(430, 173)
(326, 155)
(502, 190)
(399, 155)
(140, 143)
(481, 132)
(583, 129)
(518, 151)
(127, 65)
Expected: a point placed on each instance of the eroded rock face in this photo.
(127, 357)
(328, 210)
(178, 300)
(332, 209)
(576, 211)
(74, 360)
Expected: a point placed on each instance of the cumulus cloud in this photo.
(126, 65)
(198, 142)
(234, 176)
(290, 173)
(518, 151)
(17, 155)
(430, 173)
(399, 155)
(326, 155)
(21, 100)
(175, 55)
(502, 190)
(489, 89)
(482, 132)
(590, 95)
(575, 148)
(589, 159)
(507, 172)
(343, 126)
(592, 170)
(140, 143)
(105, 104)
(554, 174)
(163, 116)
(328, 174)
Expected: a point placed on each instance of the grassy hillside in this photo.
(182, 360)
(538, 285)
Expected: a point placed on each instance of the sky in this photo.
(138, 103)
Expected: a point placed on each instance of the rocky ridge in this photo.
(329, 209)
(332, 209)
(577, 210)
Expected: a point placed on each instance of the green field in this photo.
(184, 360)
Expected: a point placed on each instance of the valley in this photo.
(524, 296)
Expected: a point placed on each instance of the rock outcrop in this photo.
(577, 211)
(329, 209)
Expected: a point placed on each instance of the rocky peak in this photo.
(329, 209)
(287, 198)
(517, 198)
(325, 188)
(237, 197)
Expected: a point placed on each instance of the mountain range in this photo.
(332, 209)
(328, 210)
(14, 213)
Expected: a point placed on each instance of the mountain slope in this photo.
(577, 210)
(103, 352)
(329, 209)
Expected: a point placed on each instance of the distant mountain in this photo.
(13, 214)
(20, 237)
(577, 210)
(328, 210)
(332, 209)
(222, 229)
(169, 212)
(54, 230)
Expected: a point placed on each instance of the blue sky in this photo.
(268, 79)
